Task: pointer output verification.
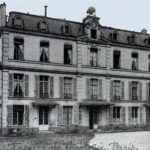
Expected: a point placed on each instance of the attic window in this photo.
(147, 41)
(131, 39)
(43, 26)
(18, 22)
(65, 29)
(113, 36)
(93, 34)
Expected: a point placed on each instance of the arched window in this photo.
(147, 41)
(114, 36)
(131, 39)
(43, 26)
(18, 22)
(65, 29)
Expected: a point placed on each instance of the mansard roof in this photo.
(54, 25)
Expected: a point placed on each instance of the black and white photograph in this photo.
(74, 75)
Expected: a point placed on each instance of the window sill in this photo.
(93, 67)
(43, 63)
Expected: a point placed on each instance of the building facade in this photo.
(57, 73)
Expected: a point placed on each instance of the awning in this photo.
(44, 103)
(95, 103)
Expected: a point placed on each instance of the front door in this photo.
(93, 118)
(43, 117)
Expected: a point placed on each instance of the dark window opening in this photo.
(131, 39)
(116, 112)
(68, 88)
(18, 114)
(116, 90)
(44, 47)
(134, 91)
(67, 29)
(134, 61)
(67, 54)
(44, 86)
(93, 56)
(43, 115)
(93, 34)
(113, 36)
(18, 85)
(116, 59)
(67, 115)
(18, 49)
(149, 63)
(134, 112)
(94, 88)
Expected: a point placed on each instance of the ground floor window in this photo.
(43, 115)
(67, 115)
(18, 115)
(116, 114)
(134, 115)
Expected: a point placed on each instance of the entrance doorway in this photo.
(93, 118)
(43, 117)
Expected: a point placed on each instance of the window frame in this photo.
(67, 59)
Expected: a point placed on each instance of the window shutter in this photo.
(129, 115)
(147, 92)
(37, 92)
(88, 57)
(123, 115)
(51, 86)
(76, 114)
(111, 115)
(88, 88)
(122, 90)
(148, 116)
(141, 115)
(100, 89)
(111, 90)
(75, 88)
(26, 115)
(61, 90)
(10, 84)
(80, 116)
(140, 91)
(98, 57)
(59, 115)
(130, 90)
(26, 85)
(10, 115)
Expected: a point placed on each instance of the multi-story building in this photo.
(57, 73)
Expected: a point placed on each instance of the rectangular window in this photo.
(93, 34)
(18, 115)
(44, 48)
(94, 88)
(67, 54)
(18, 49)
(116, 90)
(135, 112)
(93, 56)
(116, 112)
(134, 61)
(134, 91)
(68, 88)
(18, 85)
(116, 59)
(67, 115)
(44, 86)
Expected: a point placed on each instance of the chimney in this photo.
(45, 11)
(144, 31)
(2, 15)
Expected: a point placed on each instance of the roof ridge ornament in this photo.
(91, 11)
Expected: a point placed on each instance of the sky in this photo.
(123, 14)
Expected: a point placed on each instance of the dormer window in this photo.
(131, 39)
(18, 22)
(43, 26)
(66, 30)
(147, 41)
(113, 36)
(93, 33)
